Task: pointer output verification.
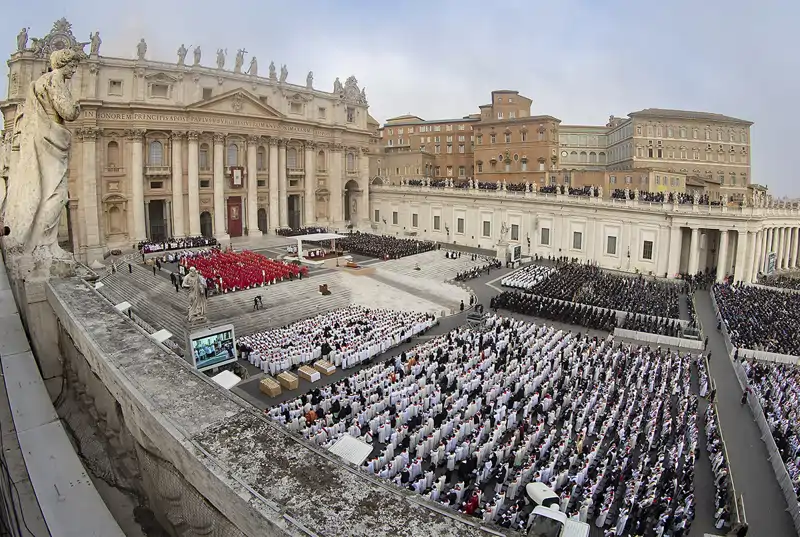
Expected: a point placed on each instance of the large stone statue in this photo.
(253, 70)
(94, 39)
(503, 231)
(141, 49)
(272, 74)
(221, 58)
(237, 66)
(284, 73)
(22, 40)
(310, 80)
(337, 86)
(5, 149)
(354, 209)
(197, 295)
(37, 190)
(197, 55)
(182, 51)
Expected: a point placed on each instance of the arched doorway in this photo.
(262, 221)
(351, 193)
(206, 228)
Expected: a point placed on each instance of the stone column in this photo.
(168, 219)
(283, 196)
(757, 256)
(252, 186)
(309, 184)
(363, 172)
(694, 251)
(778, 247)
(795, 246)
(147, 219)
(93, 249)
(675, 239)
(194, 185)
(335, 185)
(219, 188)
(178, 229)
(137, 185)
(787, 244)
(741, 254)
(723, 254)
(273, 184)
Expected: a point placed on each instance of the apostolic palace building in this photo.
(201, 146)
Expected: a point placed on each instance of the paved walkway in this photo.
(764, 503)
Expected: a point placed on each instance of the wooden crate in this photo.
(288, 380)
(324, 367)
(269, 386)
(308, 373)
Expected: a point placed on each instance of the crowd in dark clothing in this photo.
(652, 325)
(548, 308)
(588, 284)
(289, 232)
(782, 281)
(382, 246)
(477, 272)
(652, 197)
(182, 243)
(760, 319)
(777, 387)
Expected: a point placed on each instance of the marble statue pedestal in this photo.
(503, 250)
(90, 254)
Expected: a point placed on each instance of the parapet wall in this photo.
(206, 462)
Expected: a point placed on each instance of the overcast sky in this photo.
(580, 61)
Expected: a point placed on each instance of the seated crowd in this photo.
(588, 284)
(777, 387)
(652, 325)
(175, 256)
(527, 277)
(555, 310)
(346, 337)
(382, 246)
(146, 247)
(468, 419)
(289, 232)
(233, 271)
(760, 319)
(781, 281)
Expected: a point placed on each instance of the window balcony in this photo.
(157, 171)
(114, 169)
(352, 172)
(295, 172)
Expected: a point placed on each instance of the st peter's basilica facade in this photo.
(182, 149)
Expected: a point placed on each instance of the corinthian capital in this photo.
(253, 140)
(219, 138)
(310, 145)
(177, 135)
(135, 134)
(194, 135)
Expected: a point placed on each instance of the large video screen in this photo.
(213, 347)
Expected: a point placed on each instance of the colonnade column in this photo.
(795, 245)
(741, 253)
(177, 185)
(787, 245)
(694, 251)
(722, 260)
(675, 239)
(757, 256)
(252, 186)
(781, 244)
(363, 172)
(194, 185)
(767, 249)
(273, 184)
(309, 184)
(88, 204)
(219, 187)
(282, 184)
(137, 184)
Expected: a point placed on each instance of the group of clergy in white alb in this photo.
(468, 419)
(347, 337)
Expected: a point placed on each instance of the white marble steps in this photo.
(433, 265)
(450, 303)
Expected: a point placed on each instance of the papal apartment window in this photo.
(627, 179)
(391, 142)
(487, 228)
(545, 238)
(351, 114)
(611, 246)
(577, 240)
(437, 222)
(524, 165)
(524, 136)
(437, 128)
(462, 171)
(647, 250)
(492, 138)
(394, 218)
(400, 141)
(437, 171)
(377, 215)
(499, 115)
(508, 138)
(414, 220)
(480, 167)
(512, 115)
(115, 87)
(639, 130)
(514, 232)
(449, 171)
(461, 148)
(480, 139)
(449, 148)
(613, 179)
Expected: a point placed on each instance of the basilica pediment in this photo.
(236, 101)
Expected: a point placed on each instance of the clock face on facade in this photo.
(563, 153)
